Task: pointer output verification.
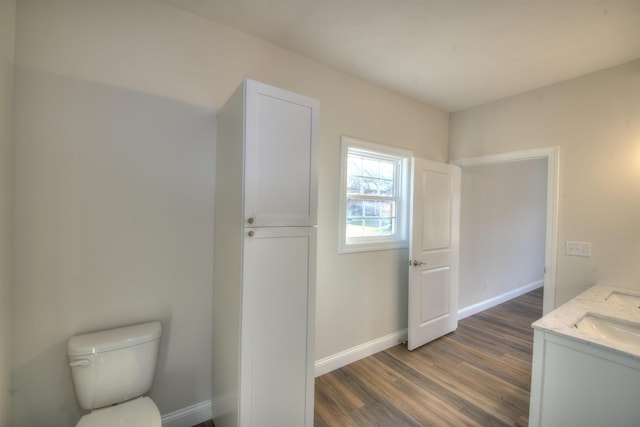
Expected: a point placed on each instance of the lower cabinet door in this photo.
(276, 382)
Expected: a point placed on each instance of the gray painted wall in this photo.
(114, 166)
(595, 120)
(7, 32)
(113, 147)
(502, 228)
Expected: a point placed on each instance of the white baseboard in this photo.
(189, 416)
(203, 411)
(361, 351)
(358, 352)
(492, 302)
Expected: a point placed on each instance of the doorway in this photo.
(550, 155)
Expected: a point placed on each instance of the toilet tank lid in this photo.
(113, 339)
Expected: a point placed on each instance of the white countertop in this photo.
(562, 320)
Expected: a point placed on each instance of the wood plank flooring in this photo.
(478, 375)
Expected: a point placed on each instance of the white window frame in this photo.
(376, 243)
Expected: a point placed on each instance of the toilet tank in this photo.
(113, 365)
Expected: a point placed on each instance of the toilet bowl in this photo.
(140, 411)
(112, 370)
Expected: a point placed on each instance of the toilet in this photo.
(111, 370)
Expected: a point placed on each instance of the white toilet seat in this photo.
(140, 412)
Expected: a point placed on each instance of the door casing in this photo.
(552, 155)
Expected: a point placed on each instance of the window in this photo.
(374, 196)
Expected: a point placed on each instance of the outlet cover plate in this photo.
(578, 249)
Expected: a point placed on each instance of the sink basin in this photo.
(624, 299)
(614, 330)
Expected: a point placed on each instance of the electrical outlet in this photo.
(578, 249)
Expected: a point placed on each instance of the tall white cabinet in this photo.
(264, 262)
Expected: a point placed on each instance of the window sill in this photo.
(371, 247)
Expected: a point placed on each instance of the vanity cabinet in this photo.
(264, 260)
(584, 379)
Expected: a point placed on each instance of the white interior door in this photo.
(433, 265)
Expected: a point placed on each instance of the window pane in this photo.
(371, 227)
(371, 168)
(354, 227)
(377, 227)
(354, 165)
(385, 187)
(354, 185)
(367, 218)
(387, 170)
(369, 186)
(386, 209)
(370, 176)
(386, 227)
(354, 208)
(370, 208)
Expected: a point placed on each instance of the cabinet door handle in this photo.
(251, 233)
(250, 220)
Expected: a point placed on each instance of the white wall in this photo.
(7, 31)
(114, 147)
(502, 229)
(595, 119)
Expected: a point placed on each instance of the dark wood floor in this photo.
(478, 375)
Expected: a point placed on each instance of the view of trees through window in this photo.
(371, 195)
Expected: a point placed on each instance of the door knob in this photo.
(416, 262)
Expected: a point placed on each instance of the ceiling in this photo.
(453, 54)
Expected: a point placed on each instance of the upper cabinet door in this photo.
(280, 157)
